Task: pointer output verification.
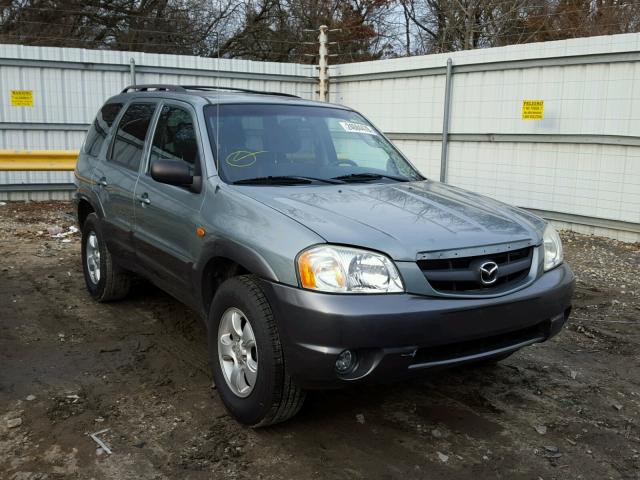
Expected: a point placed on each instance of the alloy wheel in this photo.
(93, 258)
(237, 352)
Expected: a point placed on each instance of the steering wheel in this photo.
(343, 161)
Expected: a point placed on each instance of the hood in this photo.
(401, 219)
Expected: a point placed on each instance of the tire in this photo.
(111, 282)
(273, 397)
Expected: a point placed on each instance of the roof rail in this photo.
(157, 87)
(197, 88)
(207, 88)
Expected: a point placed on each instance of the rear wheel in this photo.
(246, 356)
(104, 279)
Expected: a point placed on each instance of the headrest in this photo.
(232, 135)
(284, 137)
(185, 142)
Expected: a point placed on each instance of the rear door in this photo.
(116, 178)
(167, 215)
(94, 148)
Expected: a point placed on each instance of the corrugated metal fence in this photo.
(70, 85)
(580, 164)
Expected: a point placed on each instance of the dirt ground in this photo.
(569, 408)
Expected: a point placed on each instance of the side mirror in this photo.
(175, 173)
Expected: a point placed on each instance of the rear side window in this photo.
(175, 138)
(132, 130)
(100, 128)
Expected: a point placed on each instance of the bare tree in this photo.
(446, 25)
(286, 30)
(185, 26)
(449, 25)
(581, 18)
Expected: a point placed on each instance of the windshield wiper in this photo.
(365, 177)
(282, 180)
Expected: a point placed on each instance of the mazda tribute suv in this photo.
(316, 253)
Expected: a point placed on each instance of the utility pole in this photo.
(323, 76)
(444, 156)
(132, 71)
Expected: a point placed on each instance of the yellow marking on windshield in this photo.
(243, 158)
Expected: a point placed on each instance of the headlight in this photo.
(331, 268)
(552, 248)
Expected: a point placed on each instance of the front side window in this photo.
(257, 141)
(132, 131)
(100, 128)
(175, 138)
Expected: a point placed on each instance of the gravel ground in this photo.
(565, 409)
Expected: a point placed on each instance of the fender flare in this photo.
(241, 254)
(245, 256)
(83, 194)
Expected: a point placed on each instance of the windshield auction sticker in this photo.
(357, 128)
(22, 98)
(533, 110)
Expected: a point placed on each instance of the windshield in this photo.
(301, 144)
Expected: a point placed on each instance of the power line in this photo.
(80, 40)
(128, 30)
(99, 11)
(103, 28)
(279, 56)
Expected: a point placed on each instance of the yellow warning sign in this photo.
(22, 98)
(532, 109)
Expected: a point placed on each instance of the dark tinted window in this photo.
(132, 130)
(254, 141)
(175, 138)
(100, 128)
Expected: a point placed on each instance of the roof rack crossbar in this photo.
(206, 88)
(157, 87)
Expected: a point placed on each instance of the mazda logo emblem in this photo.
(488, 272)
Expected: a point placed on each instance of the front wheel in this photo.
(246, 356)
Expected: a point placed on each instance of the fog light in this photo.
(345, 361)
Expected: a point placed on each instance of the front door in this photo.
(165, 237)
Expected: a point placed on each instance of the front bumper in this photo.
(396, 336)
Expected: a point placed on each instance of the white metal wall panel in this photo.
(407, 105)
(590, 101)
(425, 156)
(70, 85)
(589, 180)
(41, 139)
(607, 44)
(596, 99)
(35, 196)
(38, 140)
(599, 99)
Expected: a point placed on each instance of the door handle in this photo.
(103, 182)
(144, 199)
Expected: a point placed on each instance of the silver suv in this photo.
(316, 253)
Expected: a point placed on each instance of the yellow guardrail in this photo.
(38, 160)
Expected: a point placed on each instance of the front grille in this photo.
(452, 275)
(479, 346)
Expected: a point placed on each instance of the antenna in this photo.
(217, 159)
